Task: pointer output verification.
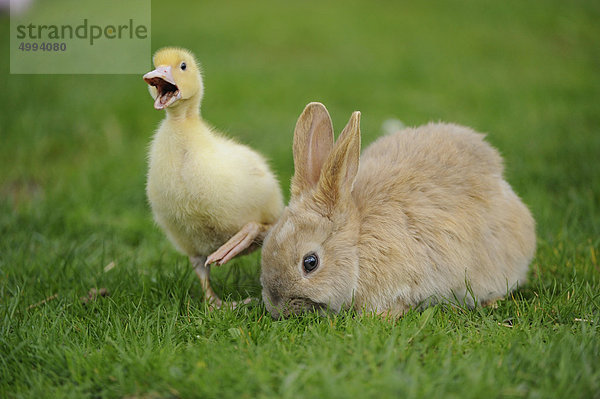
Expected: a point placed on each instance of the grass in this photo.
(72, 201)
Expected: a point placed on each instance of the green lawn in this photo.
(72, 201)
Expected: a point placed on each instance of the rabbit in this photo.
(426, 218)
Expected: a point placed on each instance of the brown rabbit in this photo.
(427, 217)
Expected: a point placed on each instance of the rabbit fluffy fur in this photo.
(427, 217)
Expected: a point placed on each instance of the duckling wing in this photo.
(235, 186)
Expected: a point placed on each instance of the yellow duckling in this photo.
(214, 198)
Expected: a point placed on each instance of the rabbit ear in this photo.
(313, 141)
(341, 167)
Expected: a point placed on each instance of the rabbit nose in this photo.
(274, 295)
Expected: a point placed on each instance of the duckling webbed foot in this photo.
(246, 240)
(235, 304)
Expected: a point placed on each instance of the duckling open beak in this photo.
(167, 90)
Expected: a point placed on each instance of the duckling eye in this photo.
(183, 66)
(310, 262)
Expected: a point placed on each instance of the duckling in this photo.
(213, 197)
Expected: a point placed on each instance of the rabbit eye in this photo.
(310, 262)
